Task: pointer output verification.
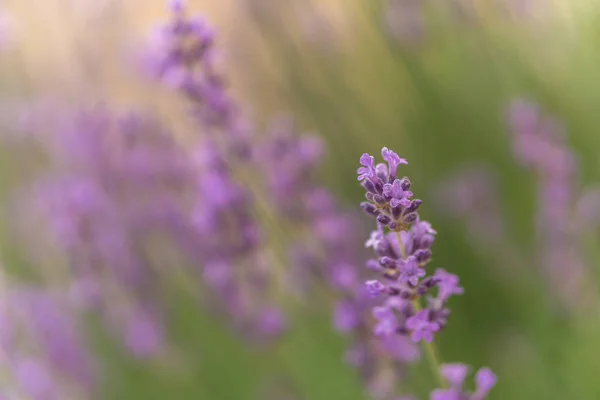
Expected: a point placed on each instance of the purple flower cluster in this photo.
(402, 254)
(540, 144)
(42, 355)
(455, 375)
(310, 233)
(402, 246)
(325, 248)
(121, 183)
(236, 253)
(564, 216)
(134, 211)
(231, 250)
(182, 55)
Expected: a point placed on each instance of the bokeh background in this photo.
(431, 80)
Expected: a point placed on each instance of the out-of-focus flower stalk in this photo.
(539, 143)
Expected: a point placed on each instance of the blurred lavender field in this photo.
(183, 220)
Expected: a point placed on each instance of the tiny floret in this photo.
(368, 167)
(375, 288)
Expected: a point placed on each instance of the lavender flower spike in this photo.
(403, 253)
(388, 197)
(401, 258)
(455, 375)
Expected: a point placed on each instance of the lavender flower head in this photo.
(388, 197)
(119, 182)
(42, 348)
(402, 248)
(182, 55)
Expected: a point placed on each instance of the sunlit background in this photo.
(432, 80)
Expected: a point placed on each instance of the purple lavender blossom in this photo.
(41, 340)
(231, 239)
(388, 197)
(143, 335)
(182, 55)
(327, 248)
(120, 180)
(271, 322)
(399, 348)
(455, 375)
(402, 255)
(447, 284)
(346, 317)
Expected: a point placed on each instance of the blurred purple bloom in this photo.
(344, 276)
(41, 338)
(143, 335)
(346, 317)
(35, 380)
(271, 322)
(400, 348)
(386, 321)
(540, 143)
(447, 285)
(456, 375)
(403, 254)
(388, 198)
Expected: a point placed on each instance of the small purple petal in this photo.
(375, 288)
